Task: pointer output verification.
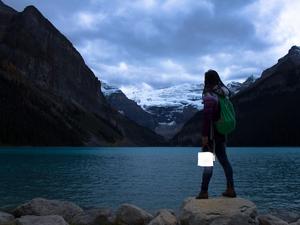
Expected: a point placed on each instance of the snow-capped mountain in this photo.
(108, 90)
(267, 109)
(178, 96)
(250, 80)
(118, 100)
(171, 107)
(163, 110)
(235, 87)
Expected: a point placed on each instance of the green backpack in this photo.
(227, 122)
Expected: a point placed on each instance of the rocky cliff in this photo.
(236, 87)
(48, 94)
(119, 101)
(170, 107)
(267, 110)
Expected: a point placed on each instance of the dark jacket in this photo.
(211, 112)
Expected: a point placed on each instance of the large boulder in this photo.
(295, 223)
(269, 219)
(101, 216)
(6, 218)
(45, 207)
(128, 214)
(285, 214)
(164, 217)
(218, 211)
(41, 220)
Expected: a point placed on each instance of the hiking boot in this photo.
(202, 195)
(229, 193)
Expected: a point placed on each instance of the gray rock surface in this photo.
(269, 219)
(6, 218)
(218, 211)
(102, 216)
(41, 220)
(286, 215)
(45, 207)
(164, 217)
(295, 223)
(132, 215)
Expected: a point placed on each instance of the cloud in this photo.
(90, 21)
(167, 73)
(278, 23)
(167, 42)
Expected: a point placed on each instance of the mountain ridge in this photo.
(119, 101)
(257, 105)
(50, 81)
(160, 109)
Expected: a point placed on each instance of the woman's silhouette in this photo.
(211, 138)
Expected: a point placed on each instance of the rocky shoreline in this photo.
(215, 211)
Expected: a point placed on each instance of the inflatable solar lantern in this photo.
(206, 159)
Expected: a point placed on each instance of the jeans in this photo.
(220, 152)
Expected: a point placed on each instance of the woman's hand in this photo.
(204, 140)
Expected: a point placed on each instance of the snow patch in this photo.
(178, 96)
(107, 90)
(172, 123)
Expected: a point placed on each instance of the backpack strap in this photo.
(212, 136)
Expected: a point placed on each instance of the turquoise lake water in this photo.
(151, 178)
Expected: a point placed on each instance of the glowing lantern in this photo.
(206, 159)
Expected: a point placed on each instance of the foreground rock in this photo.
(132, 215)
(44, 207)
(218, 211)
(102, 216)
(215, 211)
(41, 220)
(6, 218)
(164, 217)
(270, 220)
(286, 215)
(296, 223)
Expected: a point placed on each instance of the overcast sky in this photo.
(159, 43)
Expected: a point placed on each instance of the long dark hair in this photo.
(211, 79)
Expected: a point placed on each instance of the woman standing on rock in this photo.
(211, 138)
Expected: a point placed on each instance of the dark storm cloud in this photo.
(160, 43)
(179, 35)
